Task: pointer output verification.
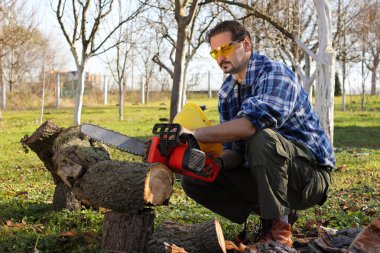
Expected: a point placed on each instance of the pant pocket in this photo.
(315, 191)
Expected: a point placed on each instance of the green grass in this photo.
(26, 188)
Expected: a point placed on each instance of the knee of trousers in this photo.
(261, 145)
(191, 187)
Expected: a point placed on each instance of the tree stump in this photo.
(194, 238)
(41, 142)
(127, 232)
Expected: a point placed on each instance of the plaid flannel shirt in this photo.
(272, 97)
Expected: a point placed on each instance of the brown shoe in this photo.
(292, 216)
(274, 230)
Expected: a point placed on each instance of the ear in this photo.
(247, 44)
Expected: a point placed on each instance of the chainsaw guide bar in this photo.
(114, 139)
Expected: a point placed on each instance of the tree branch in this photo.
(157, 60)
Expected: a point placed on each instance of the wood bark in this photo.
(124, 186)
(368, 240)
(96, 180)
(41, 142)
(127, 232)
(202, 238)
(88, 173)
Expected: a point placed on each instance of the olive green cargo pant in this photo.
(281, 175)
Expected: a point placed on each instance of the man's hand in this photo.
(229, 159)
(186, 131)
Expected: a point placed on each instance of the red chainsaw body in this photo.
(177, 153)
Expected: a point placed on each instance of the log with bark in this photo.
(127, 232)
(196, 238)
(85, 166)
(41, 142)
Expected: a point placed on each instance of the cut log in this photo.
(100, 182)
(195, 238)
(368, 240)
(73, 152)
(41, 142)
(124, 232)
(124, 186)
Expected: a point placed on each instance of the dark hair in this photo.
(237, 30)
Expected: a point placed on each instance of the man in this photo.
(276, 157)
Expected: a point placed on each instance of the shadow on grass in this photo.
(25, 228)
(359, 137)
(17, 209)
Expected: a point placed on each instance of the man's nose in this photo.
(221, 57)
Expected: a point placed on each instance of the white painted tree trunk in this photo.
(121, 98)
(79, 95)
(142, 90)
(42, 94)
(324, 94)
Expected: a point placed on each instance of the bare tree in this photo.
(189, 33)
(16, 28)
(124, 42)
(345, 40)
(372, 54)
(184, 13)
(80, 22)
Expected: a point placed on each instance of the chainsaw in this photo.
(179, 152)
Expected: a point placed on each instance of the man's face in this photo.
(229, 54)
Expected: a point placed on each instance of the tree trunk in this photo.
(130, 232)
(64, 198)
(121, 99)
(196, 238)
(374, 77)
(3, 96)
(41, 142)
(79, 95)
(176, 96)
(363, 74)
(324, 95)
(344, 65)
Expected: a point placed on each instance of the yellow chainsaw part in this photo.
(192, 117)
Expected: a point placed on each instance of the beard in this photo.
(227, 67)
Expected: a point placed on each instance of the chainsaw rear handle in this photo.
(209, 178)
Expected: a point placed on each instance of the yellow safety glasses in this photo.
(224, 50)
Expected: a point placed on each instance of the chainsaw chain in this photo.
(111, 145)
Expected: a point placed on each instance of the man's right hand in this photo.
(229, 160)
